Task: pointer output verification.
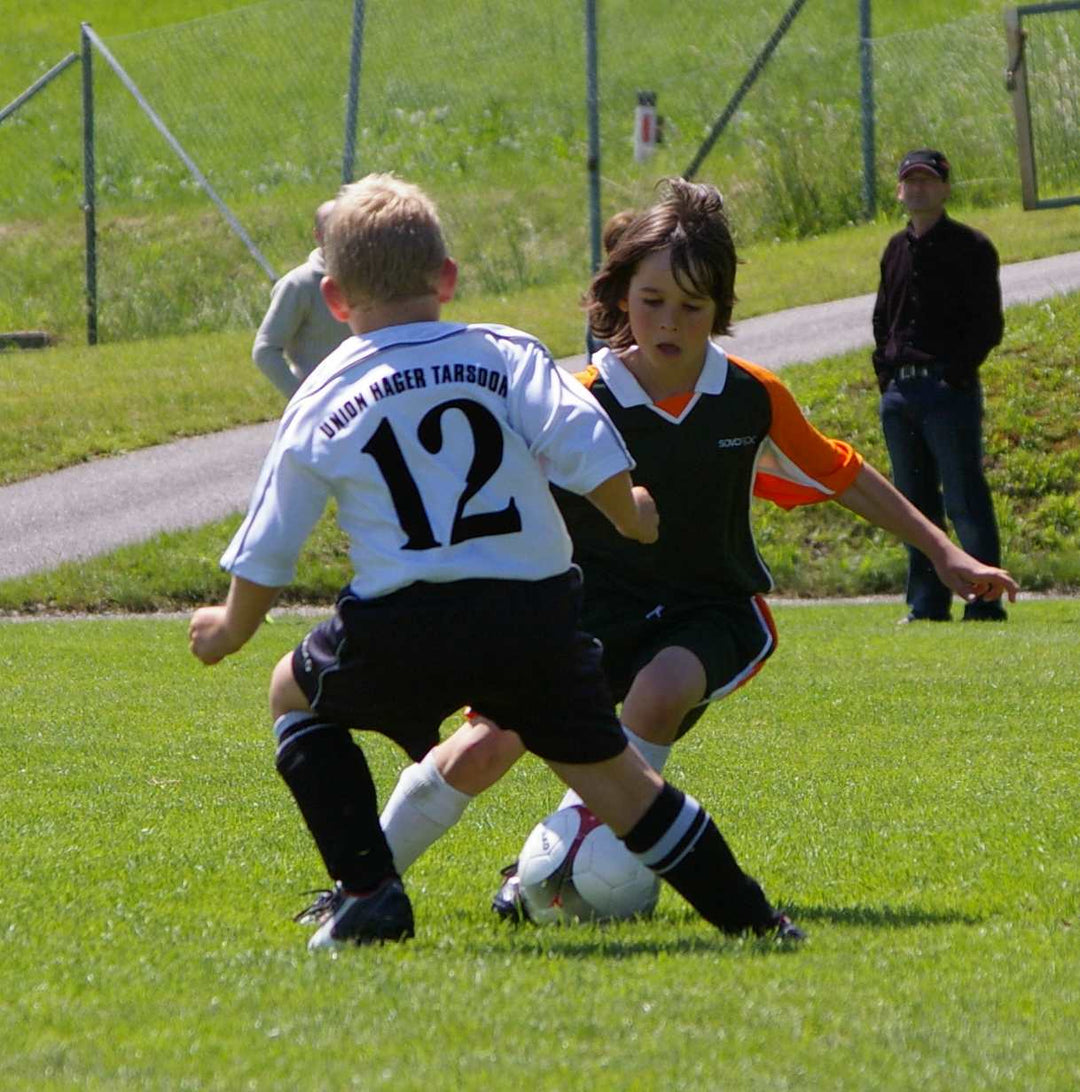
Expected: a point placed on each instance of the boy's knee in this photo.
(285, 693)
(477, 755)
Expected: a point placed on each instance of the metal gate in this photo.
(1044, 78)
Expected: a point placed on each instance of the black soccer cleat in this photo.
(781, 929)
(507, 901)
(381, 915)
(756, 914)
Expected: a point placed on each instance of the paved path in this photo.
(95, 507)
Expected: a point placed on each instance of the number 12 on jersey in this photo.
(487, 437)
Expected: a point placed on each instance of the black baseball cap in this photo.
(924, 159)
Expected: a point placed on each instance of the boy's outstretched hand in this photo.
(972, 579)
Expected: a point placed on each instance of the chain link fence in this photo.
(483, 106)
(41, 231)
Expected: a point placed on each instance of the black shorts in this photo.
(511, 649)
(731, 639)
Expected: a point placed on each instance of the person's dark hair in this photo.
(689, 219)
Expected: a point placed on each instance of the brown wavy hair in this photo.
(688, 218)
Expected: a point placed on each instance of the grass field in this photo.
(917, 816)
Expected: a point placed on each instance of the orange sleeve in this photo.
(797, 464)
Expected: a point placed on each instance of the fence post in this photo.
(592, 109)
(353, 100)
(89, 188)
(866, 64)
(1016, 83)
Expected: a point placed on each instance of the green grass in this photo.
(65, 406)
(918, 816)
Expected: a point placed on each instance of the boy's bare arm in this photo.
(216, 632)
(877, 501)
(629, 507)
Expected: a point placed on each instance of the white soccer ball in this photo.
(573, 868)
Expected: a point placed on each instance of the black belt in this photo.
(917, 371)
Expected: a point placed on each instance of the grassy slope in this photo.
(49, 26)
(167, 266)
(923, 831)
(137, 393)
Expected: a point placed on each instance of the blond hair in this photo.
(383, 241)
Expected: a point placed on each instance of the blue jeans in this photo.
(934, 436)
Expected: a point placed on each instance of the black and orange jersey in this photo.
(702, 456)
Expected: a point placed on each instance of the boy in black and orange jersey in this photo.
(682, 622)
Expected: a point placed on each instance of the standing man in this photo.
(937, 316)
(298, 330)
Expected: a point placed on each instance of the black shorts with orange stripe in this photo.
(731, 639)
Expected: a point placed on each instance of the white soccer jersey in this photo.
(437, 440)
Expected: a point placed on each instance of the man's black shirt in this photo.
(938, 302)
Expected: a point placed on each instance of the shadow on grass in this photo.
(609, 942)
(568, 941)
(887, 917)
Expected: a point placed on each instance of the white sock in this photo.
(421, 809)
(655, 754)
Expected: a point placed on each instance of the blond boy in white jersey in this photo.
(438, 440)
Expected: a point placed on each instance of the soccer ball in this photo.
(573, 868)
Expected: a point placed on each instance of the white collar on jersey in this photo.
(628, 391)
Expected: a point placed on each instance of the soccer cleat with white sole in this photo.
(384, 914)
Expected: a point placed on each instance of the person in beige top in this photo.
(298, 331)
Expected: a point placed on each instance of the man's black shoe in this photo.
(381, 915)
(324, 906)
(985, 612)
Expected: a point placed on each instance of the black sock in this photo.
(330, 780)
(678, 840)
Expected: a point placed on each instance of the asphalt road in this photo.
(95, 507)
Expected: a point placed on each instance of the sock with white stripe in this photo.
(329, 778)
(678, 840)
(655, 754)
(421, 809)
